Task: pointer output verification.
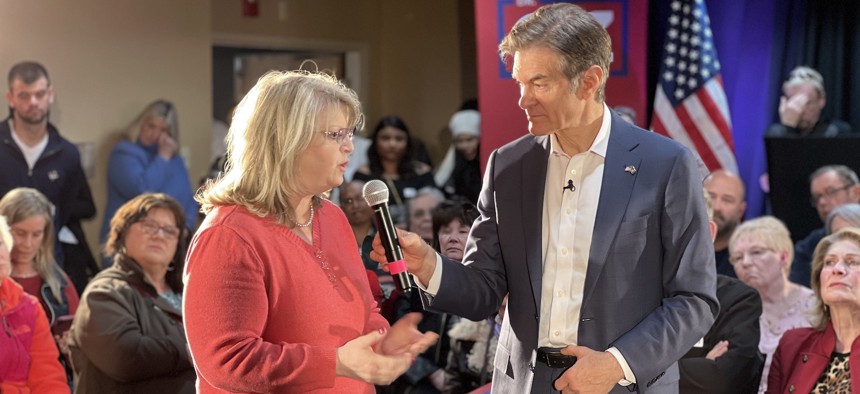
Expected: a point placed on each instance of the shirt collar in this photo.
(601, 141)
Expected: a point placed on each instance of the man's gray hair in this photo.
(846, 174)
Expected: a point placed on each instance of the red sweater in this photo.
(262, 315)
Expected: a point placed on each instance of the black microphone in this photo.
(375, 192)
(569, 186)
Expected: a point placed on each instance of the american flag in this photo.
(690, 105)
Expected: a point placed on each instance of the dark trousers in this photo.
(544, 378)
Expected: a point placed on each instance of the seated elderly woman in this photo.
(817, 359)
(29, 360)
(845, 215)
(761, 252)
(127, 336)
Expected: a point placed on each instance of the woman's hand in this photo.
(63, 343)
(356, 359)
(404, 337)
(166, 146)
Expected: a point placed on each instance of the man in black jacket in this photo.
(35, 155)
(727, 359)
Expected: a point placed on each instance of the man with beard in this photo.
(727, 195)
(35, 155)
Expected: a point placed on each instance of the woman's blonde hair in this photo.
(272, 126)
(23, 203)
(157, 109)
(771, 232)
(821, 311)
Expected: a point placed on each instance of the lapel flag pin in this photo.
(631, 169)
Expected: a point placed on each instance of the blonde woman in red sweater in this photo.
(274, 300)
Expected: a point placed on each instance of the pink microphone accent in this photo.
(396, 267)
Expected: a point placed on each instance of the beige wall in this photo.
(411, 50)
(107, 60)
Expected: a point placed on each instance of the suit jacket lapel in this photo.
(533, 178)
(614, 196)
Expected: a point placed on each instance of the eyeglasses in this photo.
(829, 194)
(151, 227)
(756, 254)
(340, 135)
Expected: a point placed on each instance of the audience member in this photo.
(273, 301)
(391, 158)
(626, 113)
(449, 225)
(29, 360)
(127, 336)
(147, 162)
(473, 343)
(420, 210)
(818, 359)
(33, 264)
(761, 252)
(726, 191)
(727, 359)
(37, 156)
(803, 98)
(460, 171)
(845, 215)
(360, 218)
(622, 283)
(829, 186)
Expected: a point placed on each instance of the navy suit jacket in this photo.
(650, 284)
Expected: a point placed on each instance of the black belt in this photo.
(552, 357)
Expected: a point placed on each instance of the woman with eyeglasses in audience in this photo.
(761, 253)
(29, 360)
(819, 359)
(127, 336)
(276, 297)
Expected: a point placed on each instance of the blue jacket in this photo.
(57, 174)
(134, 169)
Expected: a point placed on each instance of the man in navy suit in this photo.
(595, 228)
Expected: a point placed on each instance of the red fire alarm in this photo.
(250, 8)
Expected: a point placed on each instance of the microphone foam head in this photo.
(375, 192)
